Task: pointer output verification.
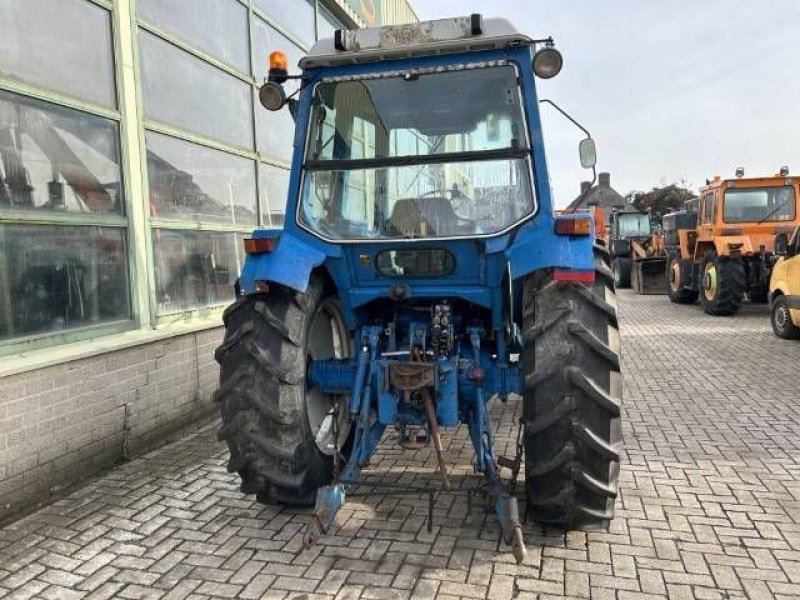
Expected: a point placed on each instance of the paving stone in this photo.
(709, 497)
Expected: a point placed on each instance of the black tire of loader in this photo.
(261, 396)
(731, 284)
(621, 268)
(572, 400)
(683, 294)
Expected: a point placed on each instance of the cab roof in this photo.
(425, 38)
(776, 180)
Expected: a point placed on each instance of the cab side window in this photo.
(708, 208)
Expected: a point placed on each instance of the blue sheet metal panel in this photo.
(538, 247)
(467, 255)
(541, 178)
(290, 264)
(387, 407)
(481, 296)
(447, 393)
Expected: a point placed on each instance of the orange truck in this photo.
(721, 249)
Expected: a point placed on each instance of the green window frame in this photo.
(37, 224)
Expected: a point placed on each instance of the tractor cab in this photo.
(423, 138)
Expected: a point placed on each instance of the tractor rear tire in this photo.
(621, 268)
(572, 399)
(781, 319)
(676, 282)
(722, 284)
(268, 418)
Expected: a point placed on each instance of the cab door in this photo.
(793, 278)
(705, 221)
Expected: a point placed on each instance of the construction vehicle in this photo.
(624, 229)
(419, 274)
(722, 247)
(648, 268)
(784, 287)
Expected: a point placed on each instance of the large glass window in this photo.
(54, 278)
(384, 112)
(195, 268)
(378, 167)
(274, 184)
(297, 16)
(195, 183)
(633, 224)
(218, 27)
(759, 204)
(63, 236)
(181, 90)
(275, 130)
(708, 207)
(57, 159)
(63, 45)
(430, 200)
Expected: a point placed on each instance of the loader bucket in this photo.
(649, 275)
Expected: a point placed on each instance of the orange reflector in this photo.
(278, 61)
(573, 226)
(259, 245)
(570, 275)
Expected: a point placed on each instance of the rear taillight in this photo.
(573, 275)
(260, 245)
(579, 226)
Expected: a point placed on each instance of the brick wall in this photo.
(66, 422)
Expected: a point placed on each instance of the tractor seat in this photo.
(427, 216)
(424, 216)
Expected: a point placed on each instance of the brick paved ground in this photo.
(709, 507)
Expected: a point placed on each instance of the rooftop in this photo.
(391, 42)
(602, 194)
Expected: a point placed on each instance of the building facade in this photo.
(601, 194)
(134, 157)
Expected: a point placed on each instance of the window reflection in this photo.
(297, 18)
(274, 183)
(192, 182)
(181, 90)
(59, 44)
(57, 159)
(194, 268)
(219, 28)
(56, 278)
(274, 130)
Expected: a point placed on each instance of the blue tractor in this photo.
(421, 273)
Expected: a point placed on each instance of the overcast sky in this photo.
(671, 90)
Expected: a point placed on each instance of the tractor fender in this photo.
(289, 264)
(538, 247)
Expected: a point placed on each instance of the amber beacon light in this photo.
(272, 95)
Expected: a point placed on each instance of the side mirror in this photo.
(781, 244)
(588, 153)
